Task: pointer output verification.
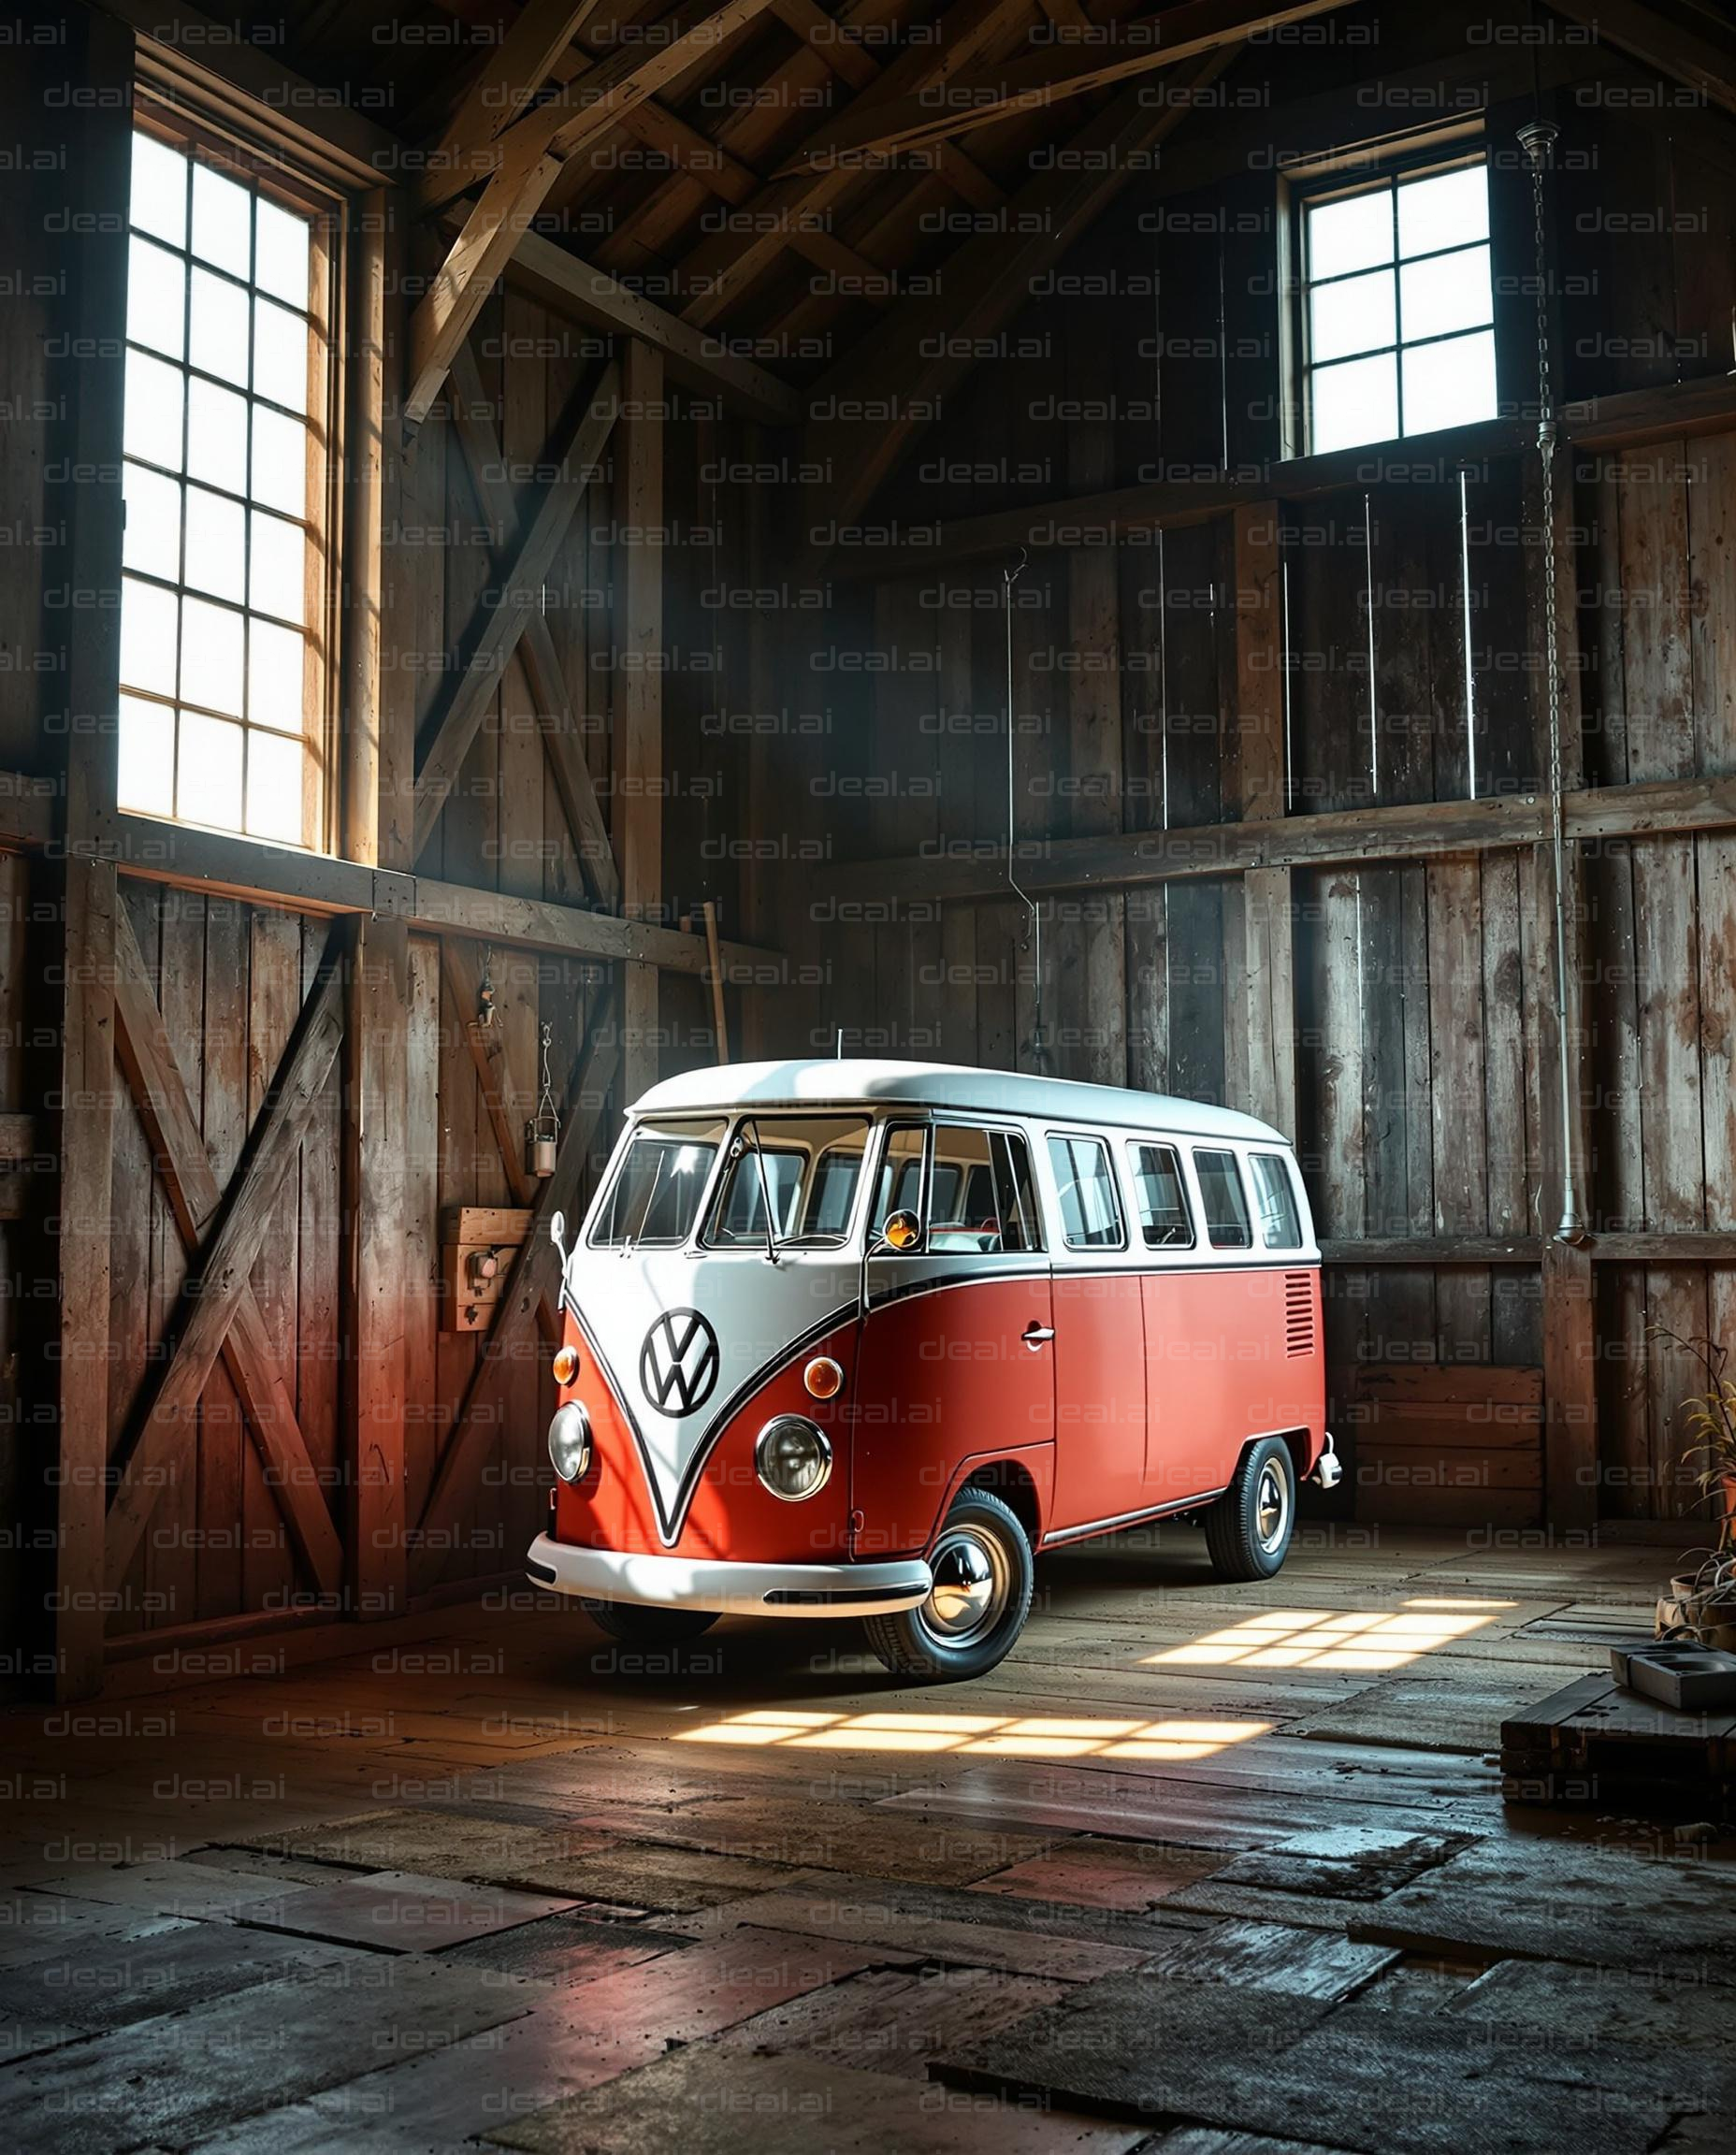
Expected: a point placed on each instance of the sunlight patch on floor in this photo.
(1003, 1736)
(1333, 1637)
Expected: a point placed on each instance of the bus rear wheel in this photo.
(1248, 1529)
(978, 1604)
(637, 1623)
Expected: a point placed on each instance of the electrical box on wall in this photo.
(478, 1244)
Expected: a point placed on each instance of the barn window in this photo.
(1397, 305)
(227, 585)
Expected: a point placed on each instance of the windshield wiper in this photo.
(765, 1192)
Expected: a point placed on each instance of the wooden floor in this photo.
(1210, 1870)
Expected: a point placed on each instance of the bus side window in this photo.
(1015, 1194)
(1275, 1197)
(964, 1215)
(1226, 1206)
(1160, 1197)
(1091, 1212)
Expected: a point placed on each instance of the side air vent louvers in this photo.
(1298, 1313)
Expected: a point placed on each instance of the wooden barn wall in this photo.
(1153, 353)
(231, 977)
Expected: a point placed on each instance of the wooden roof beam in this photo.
(721, 268)
(1044, 76)
(520, 167)
(704, 362)
(525, 59)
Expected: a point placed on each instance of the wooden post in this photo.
(1267, 896)
(87, 1105)
(378, 757)
(95, 145)
(376, 1149)
(639, 690)
(364, 455)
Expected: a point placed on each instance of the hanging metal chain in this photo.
(1538, 140)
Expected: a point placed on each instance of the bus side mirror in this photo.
(902, 1231)
(557, 1235)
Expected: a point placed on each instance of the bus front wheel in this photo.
(978, 1604)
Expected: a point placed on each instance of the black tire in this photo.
(984, 1579)
(1248, 1529)
(639, 1625)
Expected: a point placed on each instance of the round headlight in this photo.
(566, 1365)
(823, 1377)
(793, 1458)
(570, 1442)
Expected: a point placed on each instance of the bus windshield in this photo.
(807, 1169)
(655, 1197)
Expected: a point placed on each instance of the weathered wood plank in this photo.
(534, 1275)
(166, 1426)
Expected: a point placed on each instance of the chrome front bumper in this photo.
(732, 1589)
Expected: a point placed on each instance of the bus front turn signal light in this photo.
(823, 1377)
(566, 1365)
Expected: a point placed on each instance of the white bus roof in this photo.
(820, 1083)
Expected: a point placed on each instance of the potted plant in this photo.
(1701, 1601)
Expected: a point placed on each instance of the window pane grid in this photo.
(208, 742)
(207, 598)
(1369, 373)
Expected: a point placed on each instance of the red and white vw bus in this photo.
(862, 1339)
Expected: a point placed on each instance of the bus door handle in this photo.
(1035, 1335)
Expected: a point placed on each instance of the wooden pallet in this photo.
(1595, 1744)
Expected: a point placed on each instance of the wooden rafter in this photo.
(590, 295)
(720, 269)
(557, 721)
(594, 97)
(535, 1279)
(510, 78)
(519, 167)
(1035, 80)
(214, 1295)
(924, 346)
(495, 633)
(717, 165)
(160, 1093)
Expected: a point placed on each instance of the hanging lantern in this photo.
(542, 1132)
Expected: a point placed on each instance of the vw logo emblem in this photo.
(679, 1362)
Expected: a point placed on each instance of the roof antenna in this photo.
(1033, 934)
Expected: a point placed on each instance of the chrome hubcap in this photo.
(970, 1585)
(1272, 1505)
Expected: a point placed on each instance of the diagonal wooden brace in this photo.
(153, 1076)
(536, 652)
(496, 629)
